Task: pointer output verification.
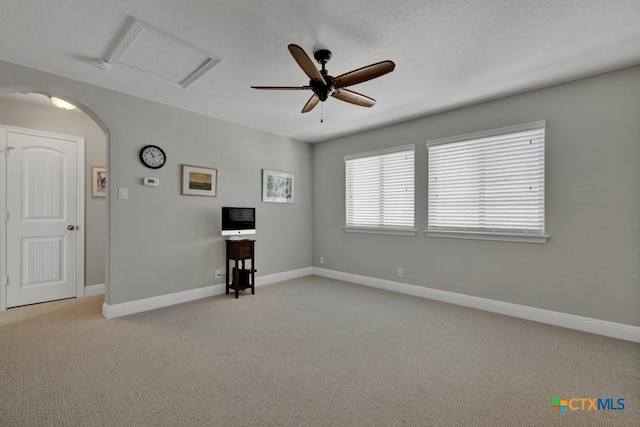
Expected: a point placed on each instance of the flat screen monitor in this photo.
(238, 221)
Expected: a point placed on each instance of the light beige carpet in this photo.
(306, 352)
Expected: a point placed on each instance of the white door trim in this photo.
(79, 140)
(3, 220)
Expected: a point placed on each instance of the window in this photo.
(488, 185)
(380, 191)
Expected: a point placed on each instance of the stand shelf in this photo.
(242, 277)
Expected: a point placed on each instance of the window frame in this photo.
(381, 229)
(492, 235)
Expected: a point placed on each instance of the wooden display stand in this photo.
(241, 278)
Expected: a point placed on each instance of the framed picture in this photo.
(99, 181)
(199, 181)
(277, 187)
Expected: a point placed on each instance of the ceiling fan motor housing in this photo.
(322, 90)
(319, 88)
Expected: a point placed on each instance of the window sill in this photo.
(486, 236)
(398, 231)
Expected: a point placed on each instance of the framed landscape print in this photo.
(199, 181)
(277, 187)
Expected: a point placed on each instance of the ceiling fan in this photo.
(323, 85)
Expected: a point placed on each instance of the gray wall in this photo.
(162, 242)
(591, 264)
(76, 123)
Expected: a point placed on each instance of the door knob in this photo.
(71, 227)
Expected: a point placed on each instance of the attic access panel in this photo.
(161, 55)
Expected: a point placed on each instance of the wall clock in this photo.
(152, 156)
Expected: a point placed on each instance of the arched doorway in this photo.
(32, 110)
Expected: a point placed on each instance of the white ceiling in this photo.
(448, 53)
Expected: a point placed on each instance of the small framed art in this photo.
(199, 181)
(277, 187)
(99, 181)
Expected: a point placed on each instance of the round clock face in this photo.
(152, 156)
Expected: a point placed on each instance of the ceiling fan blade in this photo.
(363, 74)
(305, 63)
(311, 103)
(353, 97)
(281, 87)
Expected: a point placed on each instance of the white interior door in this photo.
(43, 192)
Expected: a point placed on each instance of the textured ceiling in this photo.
(448, 53)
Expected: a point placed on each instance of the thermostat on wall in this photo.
(151, 182)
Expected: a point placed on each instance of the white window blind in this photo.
(491, 183)
(380, 188)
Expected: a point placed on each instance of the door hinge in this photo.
(7, 216)
(7, 149)
(6, 281)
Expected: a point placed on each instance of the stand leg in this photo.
(253, 277)
(226, 277)
(236, 278)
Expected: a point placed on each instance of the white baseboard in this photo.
(131, 307)
(285, 275)
(93, 290)
(585, 324)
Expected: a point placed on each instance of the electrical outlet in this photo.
(321, 260)
(400, 272)
(218, 274)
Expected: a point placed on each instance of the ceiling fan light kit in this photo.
(323, 85)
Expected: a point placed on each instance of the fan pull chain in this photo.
(321, 113)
